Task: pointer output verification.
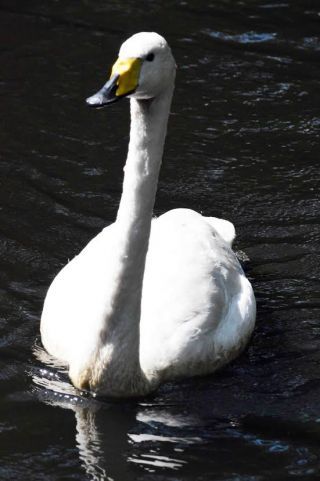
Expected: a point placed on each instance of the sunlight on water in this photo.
(247, 37)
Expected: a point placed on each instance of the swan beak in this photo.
(123, 81)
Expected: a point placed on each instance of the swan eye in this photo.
(150, 57)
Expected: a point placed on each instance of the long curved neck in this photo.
(147, 134)
(120, 336)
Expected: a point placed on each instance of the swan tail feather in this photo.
(225, 229)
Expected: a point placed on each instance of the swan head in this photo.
(144, 69)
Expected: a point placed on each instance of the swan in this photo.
(147, 300)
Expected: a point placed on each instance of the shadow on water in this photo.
(243, 144)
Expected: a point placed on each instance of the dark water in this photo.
(243, 144)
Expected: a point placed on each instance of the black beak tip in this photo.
(95, 101)
(106, 95)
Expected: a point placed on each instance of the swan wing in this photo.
(198, 308)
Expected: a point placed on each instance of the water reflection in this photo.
(111, 436)
(118, 440)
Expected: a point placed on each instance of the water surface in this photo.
(242, 144)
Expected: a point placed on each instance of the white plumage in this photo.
(148, 301)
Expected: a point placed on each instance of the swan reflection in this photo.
(115, 439)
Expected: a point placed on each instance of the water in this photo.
(242, 144)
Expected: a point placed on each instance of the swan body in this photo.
(148, 300)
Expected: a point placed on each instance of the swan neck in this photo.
(147, 135)
(120, 335)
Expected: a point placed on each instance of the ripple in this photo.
(244, 38)
(158, 461)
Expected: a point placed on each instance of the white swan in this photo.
(148, 301)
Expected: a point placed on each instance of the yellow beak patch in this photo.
(128, 70)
